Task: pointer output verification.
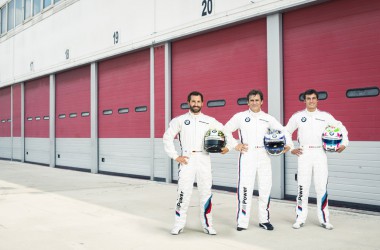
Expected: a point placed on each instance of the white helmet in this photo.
(332, 138)
(214, 141)
(274, 142)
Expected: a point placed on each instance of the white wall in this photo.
(17, 144)
(73, 152)
(37, 150)
(125, 155)
(5, 147)
(86, 29)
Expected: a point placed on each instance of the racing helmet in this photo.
(274, 142)
(214, 141)
(332, 138)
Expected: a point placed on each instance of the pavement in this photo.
(53, 209)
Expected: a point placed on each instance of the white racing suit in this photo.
(191, 130)
(252, 128)
(313, 159)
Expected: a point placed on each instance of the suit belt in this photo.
(311, 146)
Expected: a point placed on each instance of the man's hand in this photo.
(182, 160)
(286, 149)
(242, 148)
(341, 148)
(297, 151)
(224, 151)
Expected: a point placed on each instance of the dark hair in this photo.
(195, 93)
(310, 92)
(255, 92)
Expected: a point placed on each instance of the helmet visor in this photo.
(214, 146)
(332, 142)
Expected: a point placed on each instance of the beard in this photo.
(195, 109)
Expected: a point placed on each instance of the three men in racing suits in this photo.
(194, 162)
(312, 158)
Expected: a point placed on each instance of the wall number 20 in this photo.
(207, 7)
(116, 37)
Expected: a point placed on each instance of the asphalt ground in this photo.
(49, 208)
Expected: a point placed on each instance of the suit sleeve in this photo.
(228, 137)
(292, 125)
(276, 125)
(333, 122)
(231, 126)
(168, 138)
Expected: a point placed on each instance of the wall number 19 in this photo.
(116, 37)
(207, 7)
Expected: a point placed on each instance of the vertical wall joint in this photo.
(276, 93)
(94, 119)
(52, 120)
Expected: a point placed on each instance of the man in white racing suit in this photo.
(194, 161)
(253, 124)
(312, 158)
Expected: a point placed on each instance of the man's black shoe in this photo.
(266, 226)
(240, 228)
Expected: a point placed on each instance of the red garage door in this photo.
(5, 123)
(335, 48)
(16, 122)
(124, 120)
(73, 128)
(37, 121)
(224, 65)
(159, 91)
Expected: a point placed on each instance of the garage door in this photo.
(73, 128)
(335, 48)
(5, 123)
(37, 121)
(224, 66)
(124, 122)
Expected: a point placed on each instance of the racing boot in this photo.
(209, 230)
(176, 230)
(327, 225)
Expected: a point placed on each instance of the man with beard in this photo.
(194, 161)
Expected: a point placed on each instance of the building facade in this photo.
(92, 85)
